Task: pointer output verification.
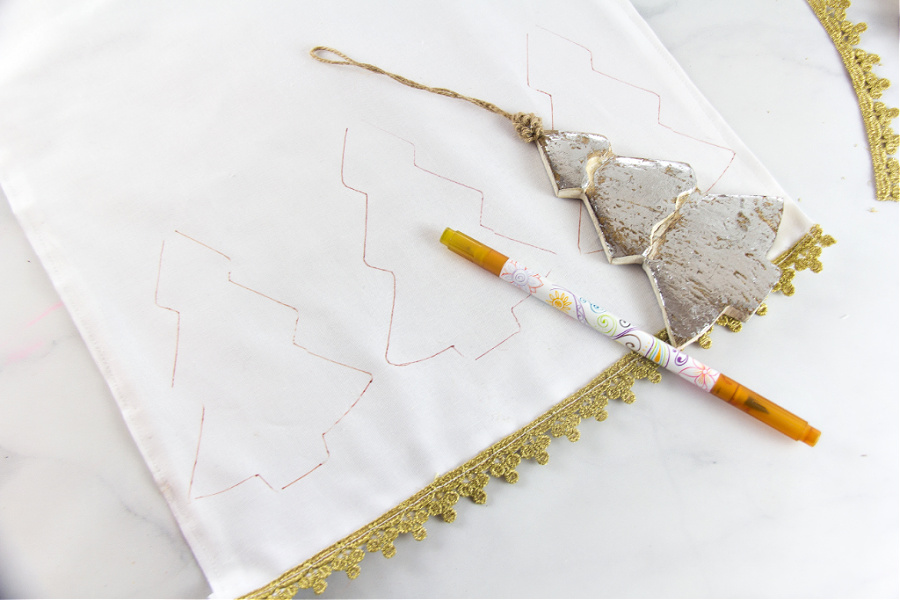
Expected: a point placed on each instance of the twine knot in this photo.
(529, 126)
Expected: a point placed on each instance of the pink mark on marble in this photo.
(15, 350)
(23, 353)
(53, 308)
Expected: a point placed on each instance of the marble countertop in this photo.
(631, 510)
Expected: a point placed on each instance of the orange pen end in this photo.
(485, 257)
(765, 410)
(812, 436)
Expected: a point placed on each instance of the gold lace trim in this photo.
(802, 255)
(805, 254)
(501, 459)
(877, 117)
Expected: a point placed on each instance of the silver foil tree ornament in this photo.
(705, 255)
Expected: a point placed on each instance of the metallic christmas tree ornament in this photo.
(705, 255)
(710, 259)
(626, 197)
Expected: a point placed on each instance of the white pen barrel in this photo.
(609, 325)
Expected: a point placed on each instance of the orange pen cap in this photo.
(765, 410)
(485, 257)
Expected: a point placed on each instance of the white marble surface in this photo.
(636, 508)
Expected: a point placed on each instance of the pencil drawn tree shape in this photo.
(596, 94)
(267, 401)
(705, 255)
(402, 239)
(634, 201)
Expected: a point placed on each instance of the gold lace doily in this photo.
(869, 87)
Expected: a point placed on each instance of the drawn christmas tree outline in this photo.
(258, 447)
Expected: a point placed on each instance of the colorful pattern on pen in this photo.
(609, 325)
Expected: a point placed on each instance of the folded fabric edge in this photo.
(501, 459)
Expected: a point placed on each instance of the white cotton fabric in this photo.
(247, 239)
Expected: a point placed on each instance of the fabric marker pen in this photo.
(638, 341)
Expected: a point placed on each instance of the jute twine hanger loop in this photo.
(528, 125)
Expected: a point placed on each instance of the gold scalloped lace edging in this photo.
(501, 459)
(877, 117)
(802, 255)
(805, 254)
